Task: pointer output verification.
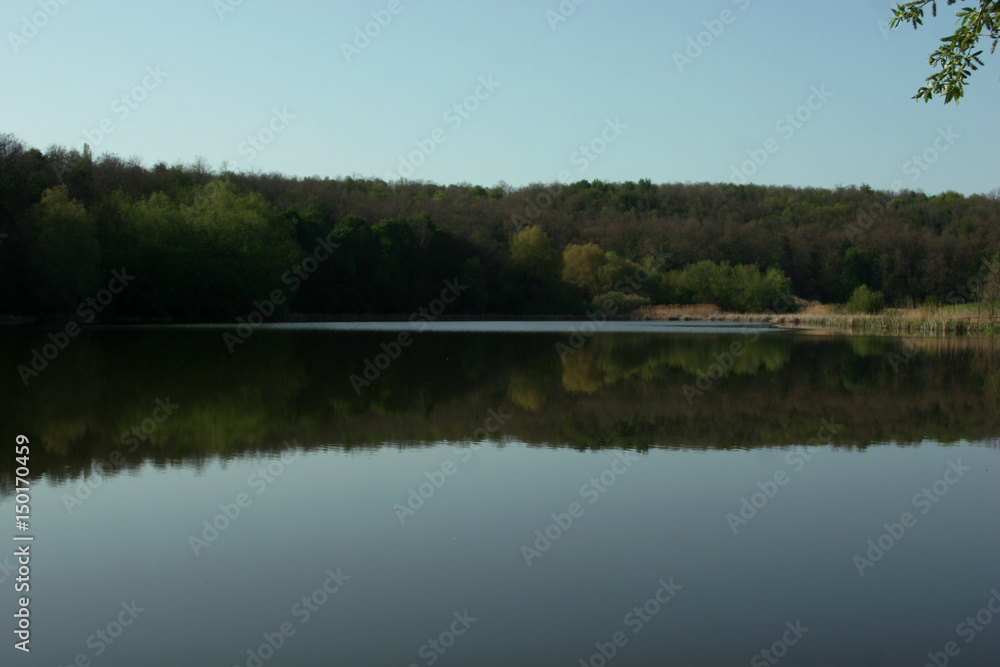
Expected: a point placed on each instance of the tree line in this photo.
(206, 244)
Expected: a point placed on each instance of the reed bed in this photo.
(913, 321)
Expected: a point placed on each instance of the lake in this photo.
(504, 493)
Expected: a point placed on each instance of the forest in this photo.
(206, 245)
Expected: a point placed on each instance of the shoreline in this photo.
(902, 321)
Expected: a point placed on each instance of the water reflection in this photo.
(629, 390)
(165, 491)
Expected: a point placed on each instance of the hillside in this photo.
(205, 246)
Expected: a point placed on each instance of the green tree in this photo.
(62, 251)
(346, 283)
(232, 250)
(531, 253)
(156, 242)
(582, 266)
(617, 274)
(397, 257)
(957, 57)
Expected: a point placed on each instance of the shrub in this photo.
(620, 302)
(742, 288)
(865, 300)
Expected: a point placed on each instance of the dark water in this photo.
(505, 495)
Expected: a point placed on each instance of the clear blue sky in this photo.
(227, 73)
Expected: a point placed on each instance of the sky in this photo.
(808, 93)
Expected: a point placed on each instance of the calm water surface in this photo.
(506, 494)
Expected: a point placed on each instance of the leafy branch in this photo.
(957, 57)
